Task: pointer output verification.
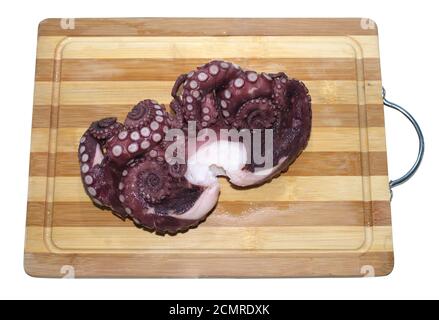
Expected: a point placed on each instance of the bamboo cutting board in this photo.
(329, 215)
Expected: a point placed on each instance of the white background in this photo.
(409, 61)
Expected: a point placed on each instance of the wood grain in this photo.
(323, 139)
(288, 189)
(308, 164)
(200, 47)
(129, 92)
(145, 69)
(202, 27)
(295, 238)
(324, 115)
(210, 265)
(329, 215)
(230, 213)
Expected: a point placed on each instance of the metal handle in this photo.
(411, 172)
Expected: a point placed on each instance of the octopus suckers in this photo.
(145, 132)
(213, 69)
(122, 135)
(117, 150)
(85, 168)
(135, 136)
(84, 157)
(238, 83)
(153, 153)
(154, 125)
(81, 149)
(92, 191)
(252, 76)
(133, 147)
(193, 84)
(202, 76)
(156, 137)
(145, 145)
(88, 179)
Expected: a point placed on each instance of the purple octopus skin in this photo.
(124, 166)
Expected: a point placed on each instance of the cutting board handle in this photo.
(414, 168)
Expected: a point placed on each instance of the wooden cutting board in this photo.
(329, 215)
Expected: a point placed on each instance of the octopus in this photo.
(126, 166)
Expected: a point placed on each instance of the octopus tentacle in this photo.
(177, 119)
(98, 177)
(257, 113)
(177, 85)
(145, 126)
(145, 195)
(105, 128)
(245, 87)
(280, 93)
(209, 112)
(295, 127)
(200, 83)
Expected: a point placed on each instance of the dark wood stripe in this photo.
(308, 164)
(250, 264)
(72, 116)
(372, 69)
(231, 213)
(44, 70)
(206, 27)
(170, 69)
(41, 117)
(36, 211)
(39, 161)
(378, 163)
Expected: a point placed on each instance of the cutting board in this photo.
(329, 215)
